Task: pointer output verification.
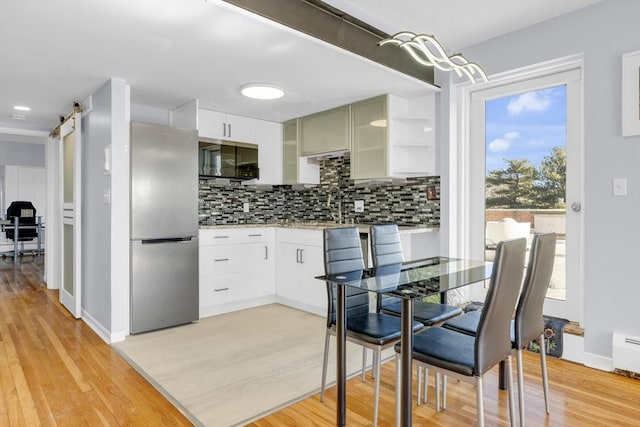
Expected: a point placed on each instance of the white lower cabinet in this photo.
(237, 269)
(299, 259)
(246, 267)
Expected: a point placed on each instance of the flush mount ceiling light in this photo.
(262, 91)
(426, 50)
(21, 108)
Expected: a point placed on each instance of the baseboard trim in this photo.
(320, 311)
(97, 327)
(573, 348)
(213, 310)
(598, 362)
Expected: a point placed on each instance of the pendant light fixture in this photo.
(427, 51)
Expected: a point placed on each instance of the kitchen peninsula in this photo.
(248, 265)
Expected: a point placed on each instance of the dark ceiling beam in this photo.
(333, 26)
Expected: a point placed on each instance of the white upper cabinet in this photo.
(269, 140)
(217, 125)
(393, 137)
(325, 132)
(266, 135)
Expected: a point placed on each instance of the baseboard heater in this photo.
(626, 352)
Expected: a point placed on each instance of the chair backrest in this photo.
(528, 319)
(343, 256)
(493, 341)
(385, 245)
(26, 213)
(386, 254)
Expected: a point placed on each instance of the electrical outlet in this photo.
(245, 207)
(358, 205)
(620, 186)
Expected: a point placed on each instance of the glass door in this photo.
(525, 175)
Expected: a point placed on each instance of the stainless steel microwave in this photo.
(228, 159)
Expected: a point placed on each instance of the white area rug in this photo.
(233, 368)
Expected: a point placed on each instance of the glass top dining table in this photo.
(408, 281)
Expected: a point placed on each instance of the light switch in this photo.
(358, 205)
(620, 186)
(245, 207)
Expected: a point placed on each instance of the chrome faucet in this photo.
(335, 188)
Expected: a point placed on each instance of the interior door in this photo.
(70, 167)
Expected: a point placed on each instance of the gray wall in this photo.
(96, 215)
(20, 154)
(602, 32)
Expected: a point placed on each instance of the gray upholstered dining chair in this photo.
(469, 357)
(376, 331)
(386, 252)
(528, 323)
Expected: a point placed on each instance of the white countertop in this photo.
(363, 228)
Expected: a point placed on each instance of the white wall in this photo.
(602, 32)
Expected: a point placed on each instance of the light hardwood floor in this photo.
(55, 370)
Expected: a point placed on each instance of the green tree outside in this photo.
(523, 186)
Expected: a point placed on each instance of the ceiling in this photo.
(171, 52)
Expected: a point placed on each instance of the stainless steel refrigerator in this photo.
(164, 227)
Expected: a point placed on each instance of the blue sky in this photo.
(527, 125)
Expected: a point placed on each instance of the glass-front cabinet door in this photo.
(290, 152)
(369, 148)
(325, 132)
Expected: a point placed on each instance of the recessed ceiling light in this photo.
(21, 108)
(262, 91)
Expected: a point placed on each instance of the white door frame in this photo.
(467, 202)
(53, 260)
(72, 215)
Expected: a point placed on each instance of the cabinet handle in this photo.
(220, 237)
(220, 289)
(297, 256)
(229, 130)
(266, 252)
(221, 259)
(255, 235)
(224, 129)
(301, 251)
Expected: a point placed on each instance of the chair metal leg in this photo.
(444, 392)
(376, 394)
(520, 387)
(437, 391)
(324, 365)
(419, 388)
(426, 385)
(480, 401)
(376, 359)
(545, 380)
(364, 362)
(398, 387)
(512, 406)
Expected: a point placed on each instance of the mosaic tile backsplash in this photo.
(401, 204)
